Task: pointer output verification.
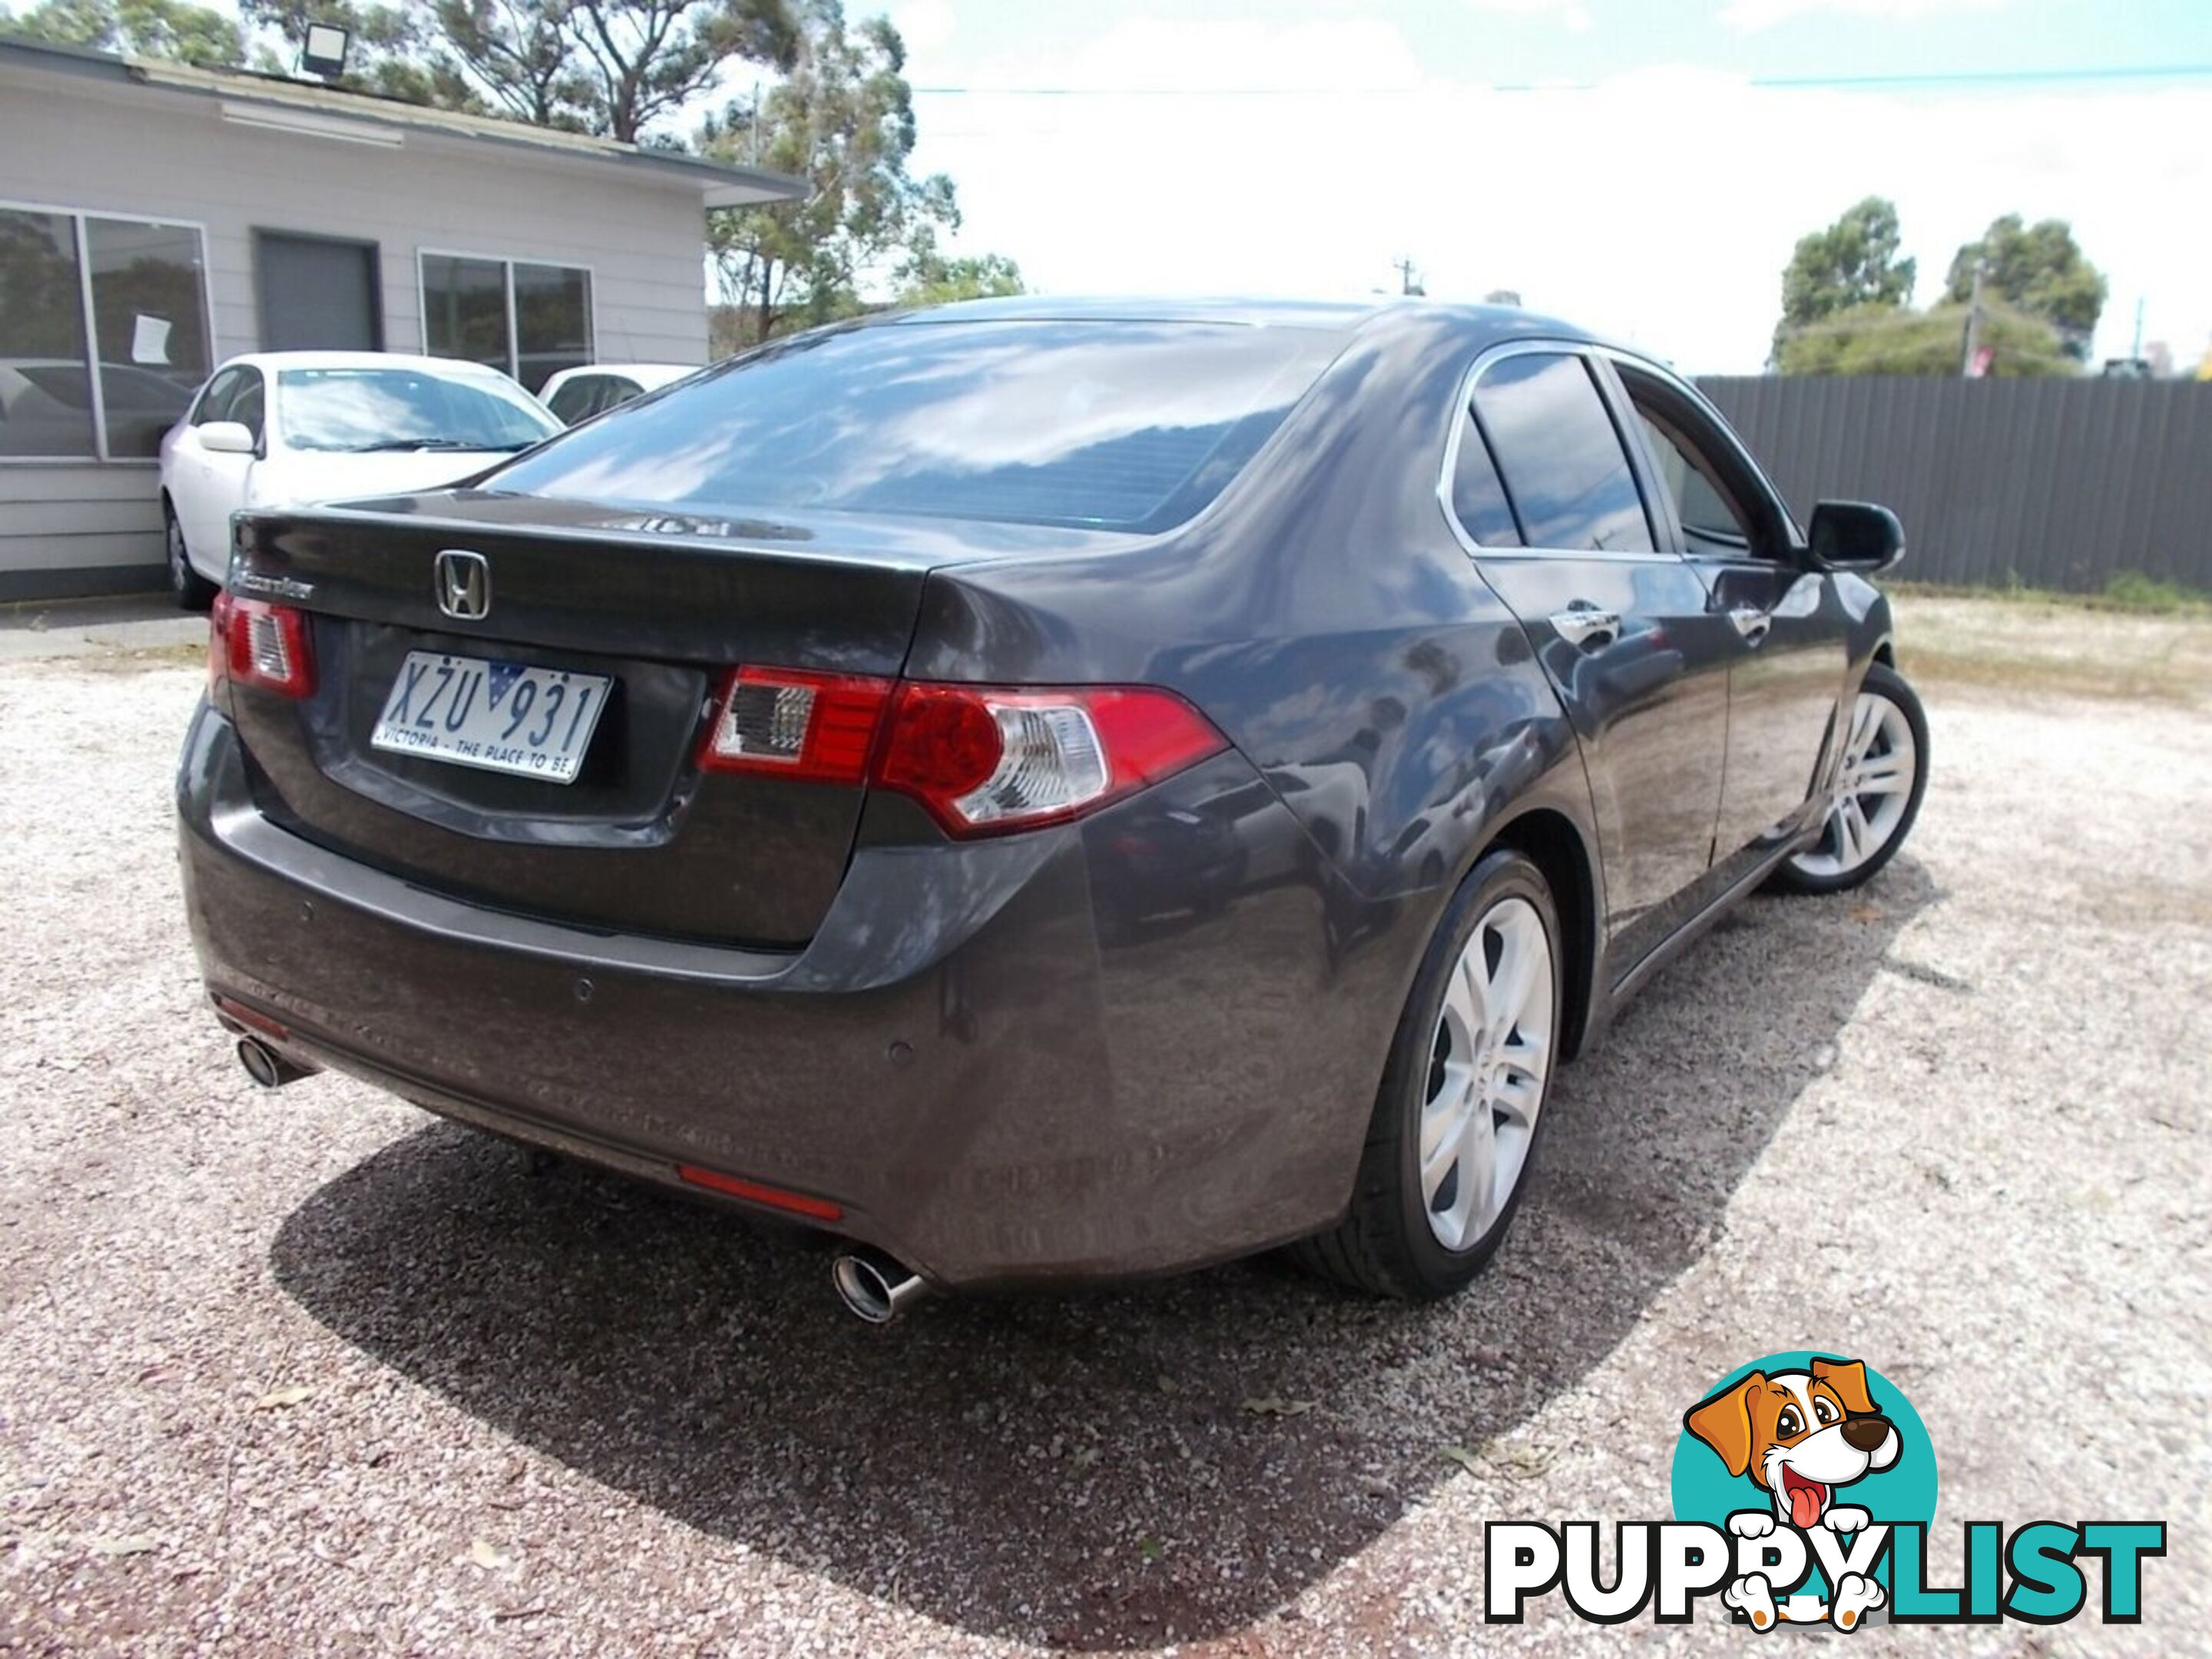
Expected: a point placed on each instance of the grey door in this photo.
(1619, 624)
(318, 293)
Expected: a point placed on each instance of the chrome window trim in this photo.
(1459, 417)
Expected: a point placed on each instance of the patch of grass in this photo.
(1998, 643)
(2128, 591)
(2131, 590)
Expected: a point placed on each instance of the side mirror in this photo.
(1854, 536)
(228, 438)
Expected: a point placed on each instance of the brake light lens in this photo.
(252, 642)
(984, 760)
(797, 724)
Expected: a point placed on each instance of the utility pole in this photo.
(2136, 350)
(1974, 323)
(1406, 284)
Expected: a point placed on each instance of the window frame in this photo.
(506, 262)
(1462, 416)
(1658, 505)
(82, 240)
(1780, 524)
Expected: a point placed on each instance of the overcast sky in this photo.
(1614, 161)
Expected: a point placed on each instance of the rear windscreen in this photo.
(1117, 425)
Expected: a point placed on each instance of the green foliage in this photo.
(609, 67)
(2131, 590)
(2041, 270)
(844, 120)
(1882, 339)
(930, 279)
(143, 29)
(1853, 263)
(40, 295)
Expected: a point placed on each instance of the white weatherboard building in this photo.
(155, 219)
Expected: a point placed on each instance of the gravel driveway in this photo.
(309, 1371)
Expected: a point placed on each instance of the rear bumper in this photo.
(1014, 1059)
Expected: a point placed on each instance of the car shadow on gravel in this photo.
(1166, 1461)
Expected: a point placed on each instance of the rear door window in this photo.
(1114, 424)
(1560, 456)
(577, 397)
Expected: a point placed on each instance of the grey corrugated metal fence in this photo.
(2049, 483)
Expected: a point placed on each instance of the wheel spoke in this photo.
(1444, 1127)
(1477, 1177)
(1467, 996)
(1855, 833)
(1866, 721)
(1884, 774)
(1516, 976)
(1519, 1095)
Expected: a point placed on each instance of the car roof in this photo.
(358, 360)
(1342, 316)
(637, 371)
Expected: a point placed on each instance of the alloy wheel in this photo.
(1488, 1062)
(1873, 787)
(181, 566)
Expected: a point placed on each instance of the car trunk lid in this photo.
(660, 608)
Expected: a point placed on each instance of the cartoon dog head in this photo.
(1799, 1434)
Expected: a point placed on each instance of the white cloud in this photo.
(1358, 157)
(1571, 12)
(924, 25)
(1750, 15)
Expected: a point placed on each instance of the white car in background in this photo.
(286, 428)
(577, 394)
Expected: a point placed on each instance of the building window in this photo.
(138, 289)
(531, 320)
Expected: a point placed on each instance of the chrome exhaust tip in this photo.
(265, 1066)
(873, 1287)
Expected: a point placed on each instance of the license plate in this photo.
(502, 716)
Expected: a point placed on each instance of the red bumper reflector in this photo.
(817, 1209)
(251, 1017)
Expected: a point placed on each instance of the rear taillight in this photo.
(794, 725)
(983, 760)
(252, 642)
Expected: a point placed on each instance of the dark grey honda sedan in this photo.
(1045, 790)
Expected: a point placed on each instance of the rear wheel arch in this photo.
(1550, 839)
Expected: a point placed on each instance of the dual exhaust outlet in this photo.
(873, 1287)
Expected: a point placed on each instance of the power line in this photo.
(1780, 83)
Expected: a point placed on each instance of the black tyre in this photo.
(1453, 1138)
(192, 590)
(1878, 790)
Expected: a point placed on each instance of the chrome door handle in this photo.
(1751, 623)
(1585, 624)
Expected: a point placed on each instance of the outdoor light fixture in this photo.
(324, 52)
